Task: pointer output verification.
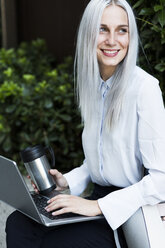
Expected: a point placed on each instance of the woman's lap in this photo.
(23, 232)
(91, 234)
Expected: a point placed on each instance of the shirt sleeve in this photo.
(118, 206)
(78, 179)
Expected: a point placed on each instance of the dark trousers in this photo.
(23, 232)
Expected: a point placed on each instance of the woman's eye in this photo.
(103, 30)
(123, 30)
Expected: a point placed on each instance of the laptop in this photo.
(14, 192)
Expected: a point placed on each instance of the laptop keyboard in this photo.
(41, 203)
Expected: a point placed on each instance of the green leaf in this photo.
(26, 137)
(48, 103)
(161, 18)
(158, 7)
(7, 145)
(10, 109)
(38, 134)
(160, 67)
(8, 72)
(28, 77)
(2, 137)
(137, 4)
(146, 11)
(65, 117)
(147, 46)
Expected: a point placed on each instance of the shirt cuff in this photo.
(118, 206)
(78, 179)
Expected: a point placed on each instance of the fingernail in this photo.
(48, 201)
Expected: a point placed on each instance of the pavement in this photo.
(5, 211)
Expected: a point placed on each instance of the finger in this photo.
(53, 206)
(61, 211)
(56, 205)
(58, 188)
(58, 197)
(34, 187)
(163, 218)
(33, 184)
(55, 173)
(61, 202)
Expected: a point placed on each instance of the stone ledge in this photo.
(5, 211)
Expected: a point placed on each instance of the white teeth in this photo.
(110, 52)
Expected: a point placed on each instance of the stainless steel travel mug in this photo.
(38, 167)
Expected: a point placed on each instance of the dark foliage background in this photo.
(151, 23)
(37, 103)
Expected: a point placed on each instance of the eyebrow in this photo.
(121, 25)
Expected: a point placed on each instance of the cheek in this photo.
(125, 42)
(100, 40)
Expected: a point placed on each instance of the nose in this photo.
(111, 39)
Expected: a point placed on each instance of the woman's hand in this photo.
(61, 182)
(73, 204)
(33, 184)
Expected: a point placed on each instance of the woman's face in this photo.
(113, 40)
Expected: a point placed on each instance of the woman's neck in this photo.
(106, 73)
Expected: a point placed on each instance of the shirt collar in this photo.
(105, 84)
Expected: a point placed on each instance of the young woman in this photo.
(124, 119)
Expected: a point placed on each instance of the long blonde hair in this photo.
(87, 75)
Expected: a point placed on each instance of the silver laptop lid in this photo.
(14, 191)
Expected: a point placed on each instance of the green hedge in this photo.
(151, 24)
(37, 104)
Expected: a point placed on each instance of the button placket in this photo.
(104, 89)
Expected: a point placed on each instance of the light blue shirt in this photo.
(105, 86)
(116, 158)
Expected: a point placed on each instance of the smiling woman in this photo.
(87, 64)
(113, 40)
(123, 131)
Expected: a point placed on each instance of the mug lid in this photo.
(31, 153)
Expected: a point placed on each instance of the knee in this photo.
(14, 220)
(10, 221)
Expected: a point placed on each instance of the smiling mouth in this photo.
(110, 53)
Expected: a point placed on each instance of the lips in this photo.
(110, 52)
